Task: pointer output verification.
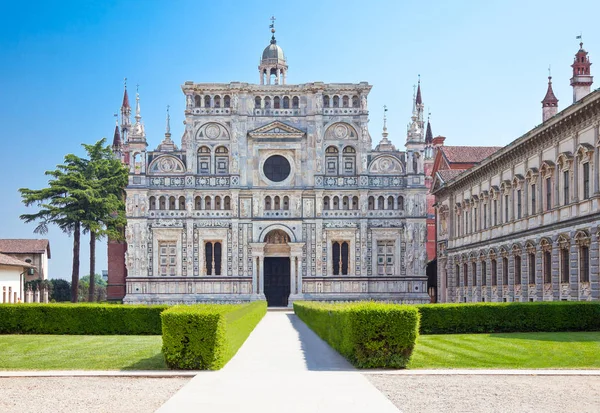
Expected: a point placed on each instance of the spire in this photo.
(125, 96)
(550, 102)
(428, 133)
(138, 116)
(117, 143)
(168, 129)
(418, 99)
(167, 145)
(385, 144)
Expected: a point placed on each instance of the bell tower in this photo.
(581, 80)
(273, 63)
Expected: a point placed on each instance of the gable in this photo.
(277, 129)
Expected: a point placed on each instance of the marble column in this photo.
(292, 275)
(261, 277)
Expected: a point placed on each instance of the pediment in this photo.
(277, 129)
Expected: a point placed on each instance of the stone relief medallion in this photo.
(166, 165)
(212, 132)
(341, 131)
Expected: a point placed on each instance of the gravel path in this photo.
(86, 394)
(490, 393)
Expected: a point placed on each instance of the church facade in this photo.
(275, 193)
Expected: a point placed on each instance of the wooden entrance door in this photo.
(277, 281)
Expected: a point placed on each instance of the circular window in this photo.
(276, 168)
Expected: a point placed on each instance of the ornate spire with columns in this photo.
(273, 62)
(385, 144)
(167, 144)
(125, 114)
(582, 79)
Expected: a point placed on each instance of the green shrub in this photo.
(509, 317)
(207, 336)
(368, 334)
(89, 319)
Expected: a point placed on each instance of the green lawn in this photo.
(508, 351)
(49, 352)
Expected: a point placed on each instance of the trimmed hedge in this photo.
(368, 334)
(78, 319)
(509, 317)
(207, 336)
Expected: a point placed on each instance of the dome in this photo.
(273, 54)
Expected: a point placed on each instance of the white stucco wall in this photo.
(9, 281)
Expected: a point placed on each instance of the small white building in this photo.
(12, 271)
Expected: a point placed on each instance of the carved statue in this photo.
(319, 166)
(410, 205)
(319, 103)
(364, 162)
(235, 102)
(363, 102)
(409, 233)
(318, 132)
(189, 101)
(423, 233)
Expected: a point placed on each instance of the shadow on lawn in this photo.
(563, 337)
(156, 362)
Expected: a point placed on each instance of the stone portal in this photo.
(277, 281)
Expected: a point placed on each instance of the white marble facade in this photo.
(274, 170)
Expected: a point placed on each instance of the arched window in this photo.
(355, 102)
(325, 101)
(286, 102)
(267, 203)
(494, 272)
(345, 203)
(207, 101)
(257, 102)
(336, 202)
(295, 102)
(226, 101)
(204, 160)
(340, 255)
(355, 202)
(181, 203)
(222, 160)
(380, 203)
(415, 162)
(331, 160)
(547, 261)
(267, 102)
(517, 269)
(326, 203)
(197, 101)
(390, 202)
(152, 202)
(349, 159)
(198, 203)
(227, 202)
(276, 203)
(276, 102)
(346, 101)
(474, 273)
(371, 203)
(217, 101)
(465, 275)
(162, 203)
(504, 270)
(217, 202)
(207, 203)
(286, 202)
(212, 257)
(401, 203)
(484, 272)
(336, 101)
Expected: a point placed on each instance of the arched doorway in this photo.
(277, 268)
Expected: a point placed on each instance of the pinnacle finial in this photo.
(125, 82)
(168, 132)
(384, 117)
(272, 27)
(138, 115)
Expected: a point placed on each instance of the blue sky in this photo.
(483, 67)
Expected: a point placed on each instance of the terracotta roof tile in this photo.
(468, 154)
(24, 246)
(448, 174)
(13, 262)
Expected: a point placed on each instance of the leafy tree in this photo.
(61, 290)
(106, 212)
(82, 194)
(62, 203)
(99, 291)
